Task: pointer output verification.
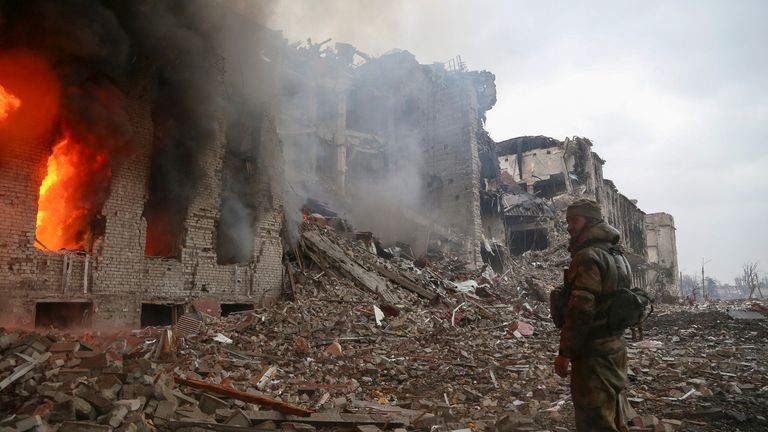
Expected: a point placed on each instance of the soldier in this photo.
(595, 355)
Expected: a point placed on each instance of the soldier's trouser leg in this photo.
(596, 389)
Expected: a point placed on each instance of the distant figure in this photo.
(597, 353)
(637, 332)
(691, 299)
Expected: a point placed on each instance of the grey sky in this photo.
(673, 94)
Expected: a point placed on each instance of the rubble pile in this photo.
(370, 343)
(704, 366)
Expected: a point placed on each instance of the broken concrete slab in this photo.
(209, 404)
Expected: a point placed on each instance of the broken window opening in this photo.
(551, 187)
(164, 233)
(63, 315)
(71, 196)
(528, 240)
(236, 227)
(158, 315)
(232, 308)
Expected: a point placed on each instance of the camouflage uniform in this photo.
(598, 357)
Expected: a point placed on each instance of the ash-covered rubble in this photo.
(370, 343)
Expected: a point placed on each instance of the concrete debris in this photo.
(745, 315)
(369, 349)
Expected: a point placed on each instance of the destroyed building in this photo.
(392, 144)
(546, 168)
(662, 253)
(135, 183)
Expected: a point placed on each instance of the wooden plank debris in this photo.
(406, 283)
(244, 396)
(328, 254)
(23, 370)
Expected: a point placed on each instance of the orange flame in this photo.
(71, 195)
(8, 103)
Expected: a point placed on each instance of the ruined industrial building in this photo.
(299, 228)
(395, 147)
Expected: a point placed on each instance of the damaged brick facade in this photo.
(117, 278)
(540, 167)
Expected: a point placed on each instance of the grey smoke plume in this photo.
(385, 106)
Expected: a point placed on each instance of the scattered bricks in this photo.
(8, 340)
(85, 354)
(73, 363)
(7, 363)
(645, 421)
(162, 391)
(238, 418)
(60, 347)
(83, 410)
(52, 372)
(185, 398)
(117, 416)
(49, 388)
(64, 411)
(83, 427)
(165, 409)
(132, 404)
(102, 404)
(209, 404)
(29, 423)
(335, 349)
(110, 388)
(98, 361)
(109, 382)
(150, 408)
(38, 346)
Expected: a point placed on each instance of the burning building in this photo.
(154, 153)
(139, 170)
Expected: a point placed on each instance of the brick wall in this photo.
(120, 277)
(453, 156)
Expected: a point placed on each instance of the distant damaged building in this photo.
(393, 145)
(662, 253)
(557, 170)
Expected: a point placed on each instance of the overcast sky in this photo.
(674, 94)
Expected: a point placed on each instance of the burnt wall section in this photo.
(117, 278)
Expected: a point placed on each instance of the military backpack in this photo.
(622, 308)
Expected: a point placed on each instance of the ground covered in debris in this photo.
(371, 343)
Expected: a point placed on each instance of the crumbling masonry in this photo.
(396, 147)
